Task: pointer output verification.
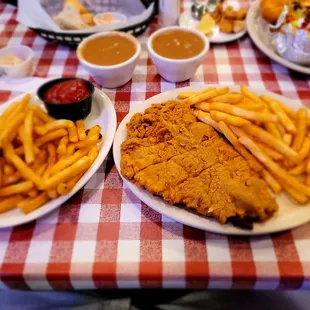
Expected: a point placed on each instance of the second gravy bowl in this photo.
(177, 70)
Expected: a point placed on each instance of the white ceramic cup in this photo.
(114, 75)
(20, 70)
(177, 70)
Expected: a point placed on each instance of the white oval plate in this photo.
(290, 214)
(103, 114)
(258, 31)
(186, 20)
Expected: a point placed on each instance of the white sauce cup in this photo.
(177, 70)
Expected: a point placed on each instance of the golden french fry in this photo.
(33, 193)
(8, 169)
(272, 182)
(6, 114)
(229, 119)
(40, 113)
(271, 141)
(55, 125)
(227, 132)
(284, 119)
(20, 166)
(65, 188)
(305, 149)
(52, 193)
(1, 171)
(90, 141)
(203, 106)
(12, 128)
(31, 204)
(269, 151)
(50, 136)
(21, 133)
(51, 159)
(62, 147)
(185, 95)
(249, 115)
(272, 129)
(307, 179)
(11, 179)
(81, 165)
(80, 129)
(228, 98)
(247, 93)
(302, 116)
(206, 118)
(93, 153)
(248, 105)
(93, 131)
(295, 194)
(28, 139)
(68, 161)
(274, 168)
(206, 95)
(10, 203)
(287, 139)
(37, 121)
(18, 188)
(299, 169)
(73, 137)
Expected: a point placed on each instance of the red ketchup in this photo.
(67, 92)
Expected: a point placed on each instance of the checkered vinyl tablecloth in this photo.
(105, 237)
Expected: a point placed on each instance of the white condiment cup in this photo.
(177, 70)
(114, 75)
(19, 70)
(119, 16)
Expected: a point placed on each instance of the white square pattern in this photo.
(263, 250)
(89, 213)
(39, 251)
(218, 251)
(128, 251)
(130, 213)
(83, 252)
(173, 251)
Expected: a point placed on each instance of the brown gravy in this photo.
(108, 50)
(177, 44)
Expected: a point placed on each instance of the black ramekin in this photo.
(73, 110)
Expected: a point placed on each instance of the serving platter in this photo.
(102, 114)
(186, 20)
(290, 214)
(258, 31)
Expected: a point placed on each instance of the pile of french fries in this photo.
(273, 138)
(41, 158)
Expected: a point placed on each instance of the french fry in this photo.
(295, 194)
(65, 188)
(270, 152)
(33, 193)
(62, 147)
(37, 121)
(50, 137)
(10, 203)
(274, 168)
(287, 139)
(18, 188)
(31, 204)
(271, 181)
(228, 98)
(80, 130)
(51, 159)
(249, 115)
(93, 131)
(281, 129)
(253, 163)
(206, 118)
(186, 95)
(12, 128)
(40, 113)
(299, 169)
(271, 141)
(229, 119)
(284, 119)
(247, 93)
(203, 106)
(8, 169)
(68, 161)
(90, 141)
(52, 193)
(272, 129)
(28, 138)
(55, 125)
(305, 149)
(20, 166)
(307, 179)
(308, 165)
(93, 153)
(6, 114)
(302, 116)
(1, 171)
(248, 105)
(206, 95)
(21, 133)
(68, 173)
(11, 179)
(73, 137)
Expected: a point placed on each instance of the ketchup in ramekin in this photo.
(67, 98)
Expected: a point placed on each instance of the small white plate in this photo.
(102, 114)
(258, 31)
(186, 20)
(290, 214)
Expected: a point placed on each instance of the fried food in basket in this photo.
(34, 158)
(274, 135)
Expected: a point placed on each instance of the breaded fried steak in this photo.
(171, 154)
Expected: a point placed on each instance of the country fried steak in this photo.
(171, 154)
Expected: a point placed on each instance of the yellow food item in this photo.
(226, 25)
(82, 9)
(271, 10)
(238, 26)
(88, 18)
(206, 24)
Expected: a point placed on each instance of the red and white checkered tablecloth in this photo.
(105, 237)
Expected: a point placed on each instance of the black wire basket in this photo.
(73, 39)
